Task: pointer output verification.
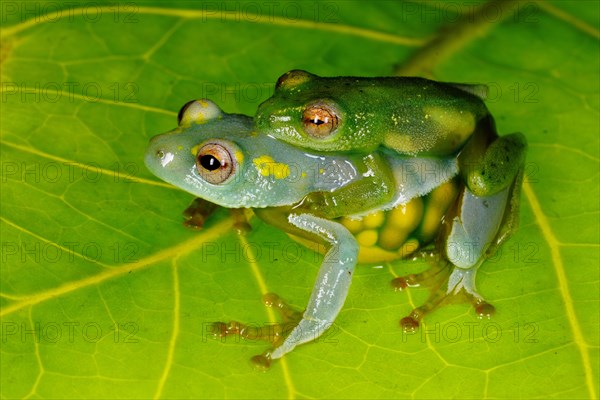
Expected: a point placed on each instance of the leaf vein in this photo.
(230, 15)
(563, 286)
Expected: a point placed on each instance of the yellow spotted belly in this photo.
(398, 233)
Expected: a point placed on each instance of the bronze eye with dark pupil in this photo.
(215, 163)
(319, 121)
(210, 162)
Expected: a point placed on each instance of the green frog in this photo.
(378, 204)
(409, 115)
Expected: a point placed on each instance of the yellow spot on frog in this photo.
(267, 166)
(179, 148)
(195, 150)
(458, 125)
(403, 143)
(200, 119)
(239, 156)
(409, 247)
(460, 122)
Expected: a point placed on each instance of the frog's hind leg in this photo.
(464, 279)
(435, 279)
(474, 230)
(444, 289)
(332, 284)
(438, 271)
(329, 292)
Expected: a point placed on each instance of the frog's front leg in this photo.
(356, 197)
(197, 213)
(333, 280)
(489, 163)
(199, 210)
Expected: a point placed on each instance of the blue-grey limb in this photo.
(332, 284)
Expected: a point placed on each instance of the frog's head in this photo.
(301, 112)
(220, 158)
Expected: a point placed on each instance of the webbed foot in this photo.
(275, 334)
(446, 283)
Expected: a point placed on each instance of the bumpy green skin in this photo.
(413, 116)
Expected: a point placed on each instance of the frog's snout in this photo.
(266, 116)
(261, 119)
(158, 153)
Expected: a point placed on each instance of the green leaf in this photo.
(104, 294)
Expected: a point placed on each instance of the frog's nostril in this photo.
(160, 154)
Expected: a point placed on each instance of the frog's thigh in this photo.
(332, 284)
(499, 165)
(471, 234)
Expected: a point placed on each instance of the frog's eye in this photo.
(293, 78)
(319, 121)
(215, 163)
(181, 112)
(198, 111)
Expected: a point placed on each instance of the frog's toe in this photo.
(240, 220)
(444, 281)
(434, 279)
(275, 334)
(484, 309)
(464, 279)
(428, 278)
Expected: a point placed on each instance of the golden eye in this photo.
(215, 163)
(319, 121)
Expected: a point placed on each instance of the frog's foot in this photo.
(434, 279)
(464, 279)
(197, 213)
(330, 289)
(240, 220)
(431, 277)
(443, 288)
(275, 334)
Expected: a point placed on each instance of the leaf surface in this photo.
(105, 295)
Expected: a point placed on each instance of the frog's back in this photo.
(412, 116)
